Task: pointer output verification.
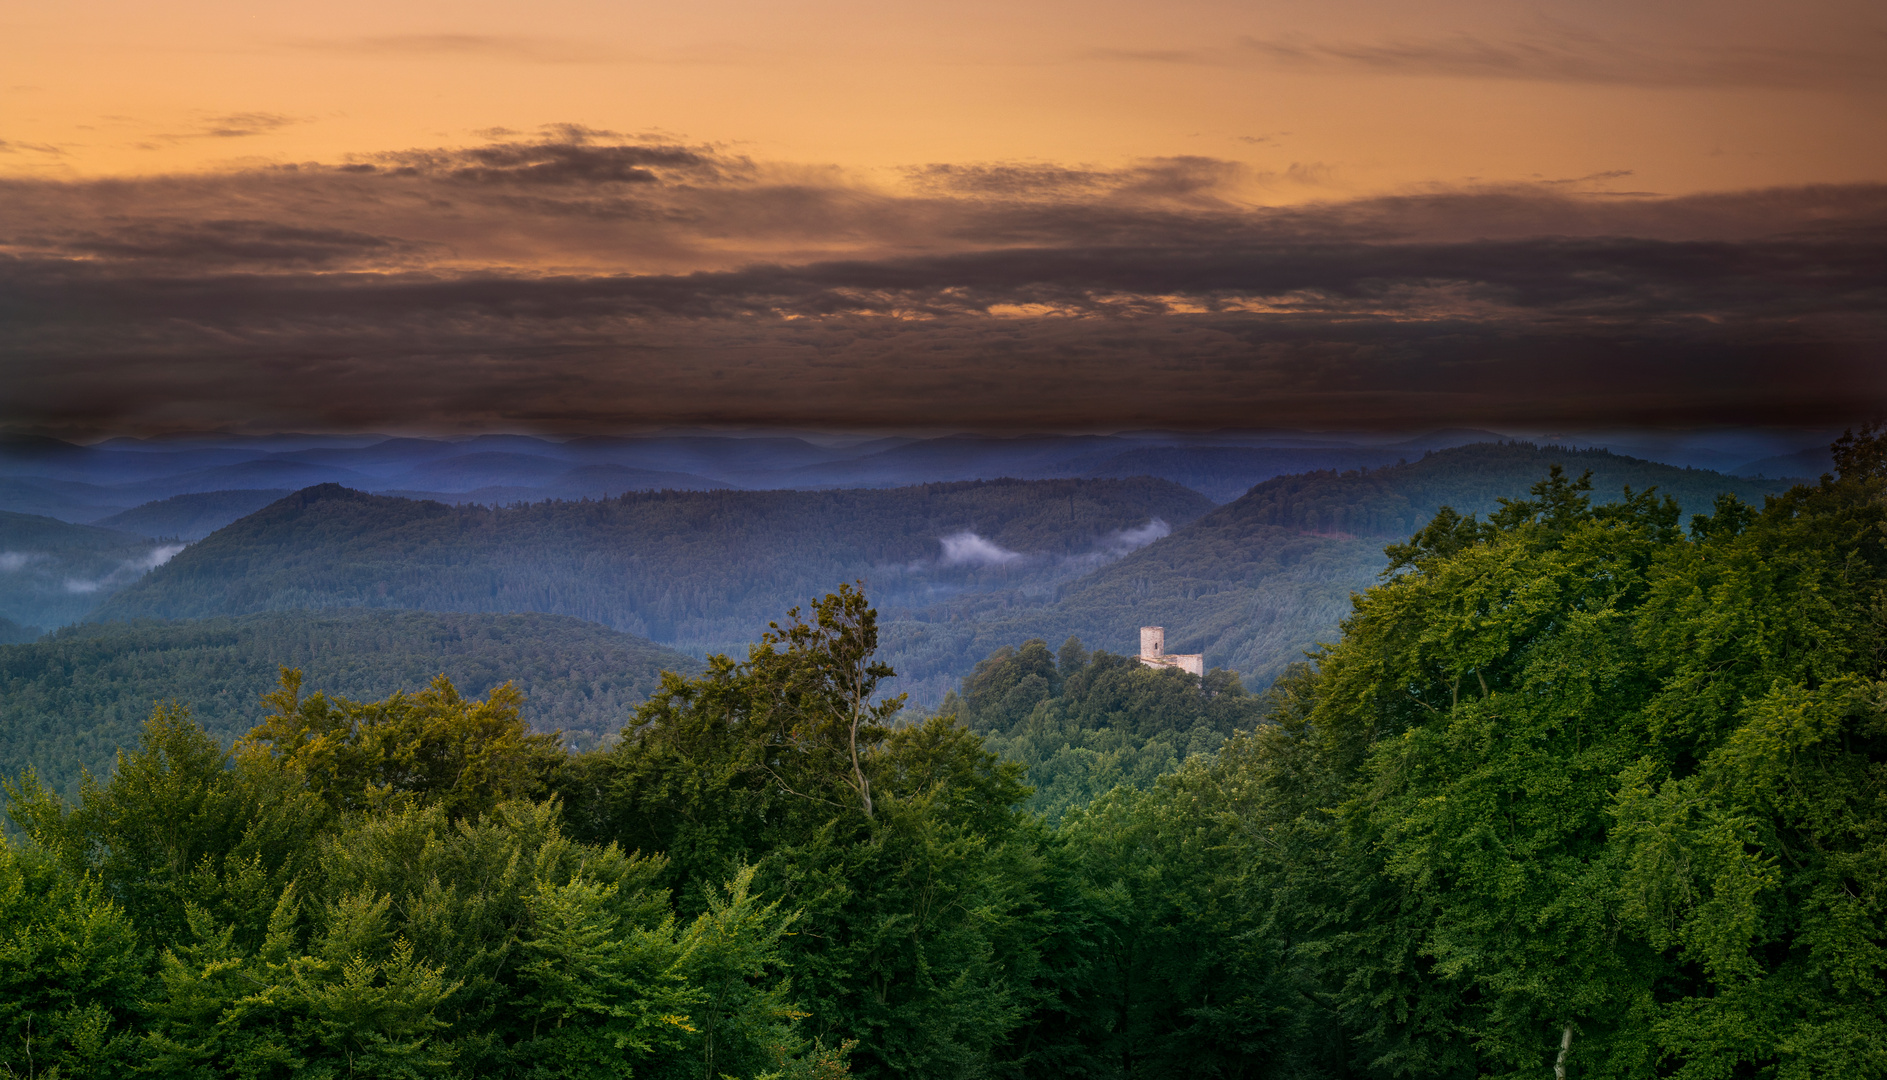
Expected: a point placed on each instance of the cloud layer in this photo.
(587, 279)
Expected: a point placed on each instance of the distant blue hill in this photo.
(1223, 473)
(190, 517)
(1807, 464)
(85, 483)
(67, 500)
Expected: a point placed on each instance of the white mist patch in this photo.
(15, 561)
(127, 571)
(163, 553)
(968, 549)
(1117, 544)
(1127, 540)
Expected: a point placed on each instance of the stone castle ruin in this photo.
(1153, 653)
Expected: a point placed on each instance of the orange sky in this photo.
(1318, 100)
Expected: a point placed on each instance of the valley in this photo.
(958, 571)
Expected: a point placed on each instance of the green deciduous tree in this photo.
(434, 747)
(914, 876)
(175, 825)
(1579, 794)
(71, 972)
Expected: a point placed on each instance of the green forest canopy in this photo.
(1581, 789)
(69, 701)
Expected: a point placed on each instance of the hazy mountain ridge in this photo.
(1256, 582)
(69, 701)
(91, 482)
(87, 483)
(697, 570)
(67, 500)
(1396, 501)
(1251, 584)
(1807, 464)
(1223, 473)
(190, 517)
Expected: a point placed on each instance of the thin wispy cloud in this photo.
(573, 160)
(242, 125)
(14, 146)
(1014, 180)
(202, 244)
(966, 548)
(1608, 174)
(1564, 54)
(44, 569)
(1119, 544)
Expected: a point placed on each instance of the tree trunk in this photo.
(864, 785)
(1565, 1047)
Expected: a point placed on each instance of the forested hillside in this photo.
(1084, 723)
(69, 702)
(52, 573)
(1256, 582)
(695, 570)
(1395, 501)
(1588, 791)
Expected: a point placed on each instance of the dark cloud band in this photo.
(584, 282)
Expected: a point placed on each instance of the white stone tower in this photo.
(1152, 642)
(1153, 653)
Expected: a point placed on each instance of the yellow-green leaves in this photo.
(430, 748)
